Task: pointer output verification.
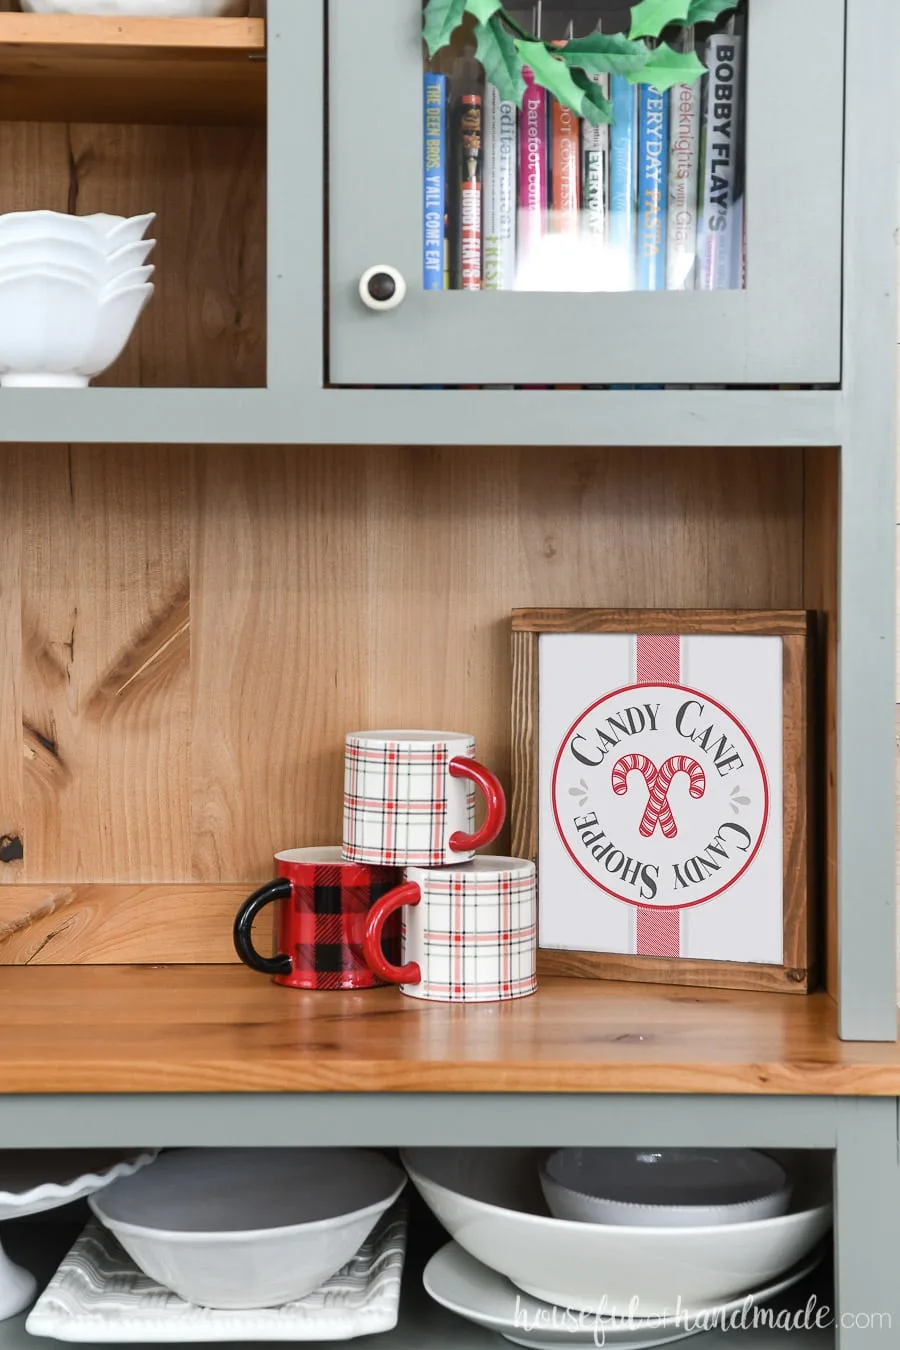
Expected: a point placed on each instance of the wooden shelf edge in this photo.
(199, 1029)
(76, 32)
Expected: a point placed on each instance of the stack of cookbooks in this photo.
(537, 199)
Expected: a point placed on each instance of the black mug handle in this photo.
(243, 929)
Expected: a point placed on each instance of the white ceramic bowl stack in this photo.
(72, 289)
(711, 1228)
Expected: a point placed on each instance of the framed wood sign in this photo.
(661, 766)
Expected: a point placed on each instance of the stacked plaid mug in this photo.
(469, 925)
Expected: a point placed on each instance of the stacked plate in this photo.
(72, 289)
(646, 1246)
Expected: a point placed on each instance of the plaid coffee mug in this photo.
(409, 798)
(469, 932)
(323, 904)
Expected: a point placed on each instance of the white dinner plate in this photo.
(464, 1286)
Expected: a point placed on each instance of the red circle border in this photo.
(637, 904)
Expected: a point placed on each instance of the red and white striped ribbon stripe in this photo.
(658, 662)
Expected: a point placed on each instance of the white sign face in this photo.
(661, 795)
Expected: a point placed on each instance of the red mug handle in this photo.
(496, 805)
(373, 949)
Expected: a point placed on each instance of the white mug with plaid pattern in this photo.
(469, 931)
(409, 799)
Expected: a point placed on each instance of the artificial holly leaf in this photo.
(708, 11)
(596, 108)
(552, 74)
(666, 67)
(650, 17)
(484, 10)
(442, 18)
(502, 63)
(605, 53)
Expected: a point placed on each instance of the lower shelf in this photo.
(40, 1244)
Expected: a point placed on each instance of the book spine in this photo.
(684, 185)
(470, 182)
(652, 189)
(499, 225)
(435, 201)
(623, 183)
(565, 173)
(721, 222)
(532, 174)
(595, 174)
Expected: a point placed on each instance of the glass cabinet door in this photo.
(480, 239)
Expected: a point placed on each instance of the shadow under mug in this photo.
(323, 906)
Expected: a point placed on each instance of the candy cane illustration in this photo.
(623, 768)
(658, 811)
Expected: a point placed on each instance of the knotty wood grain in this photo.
(110, 925)
(205, 325)
(221, 1028)
(240, 610)
(12, 800)
(105, 727)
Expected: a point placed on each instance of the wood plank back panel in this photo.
(235, 612)
(205, 325)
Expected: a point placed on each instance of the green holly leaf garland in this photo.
(441, 20)
(605, 53)
(502, 63)
(483, 10)
(708, 11)
(552, 74)
(650, 17)
(665, 67)
(596, 107)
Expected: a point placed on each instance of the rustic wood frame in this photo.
(801, 810)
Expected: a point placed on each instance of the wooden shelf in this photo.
(70, 68)
(224, 1029)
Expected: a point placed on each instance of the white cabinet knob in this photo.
(382, 288)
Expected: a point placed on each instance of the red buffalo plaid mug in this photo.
(409, 798)
(323, 904)
(469, 931)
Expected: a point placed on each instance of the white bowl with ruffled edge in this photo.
(59, 331)
(101, 268)
(103, 232)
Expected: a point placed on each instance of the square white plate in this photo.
(99, 1295)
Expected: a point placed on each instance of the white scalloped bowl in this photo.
(135, 276)
(249, 1227)
(101, 268)
(490, 1201)
(133, 9)
(57, 331)
(100, 231)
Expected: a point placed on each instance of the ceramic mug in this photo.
(409, 798)
(469, 931)
(323, 904)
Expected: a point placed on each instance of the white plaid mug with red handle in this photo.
(469, 932)
(409, 799)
